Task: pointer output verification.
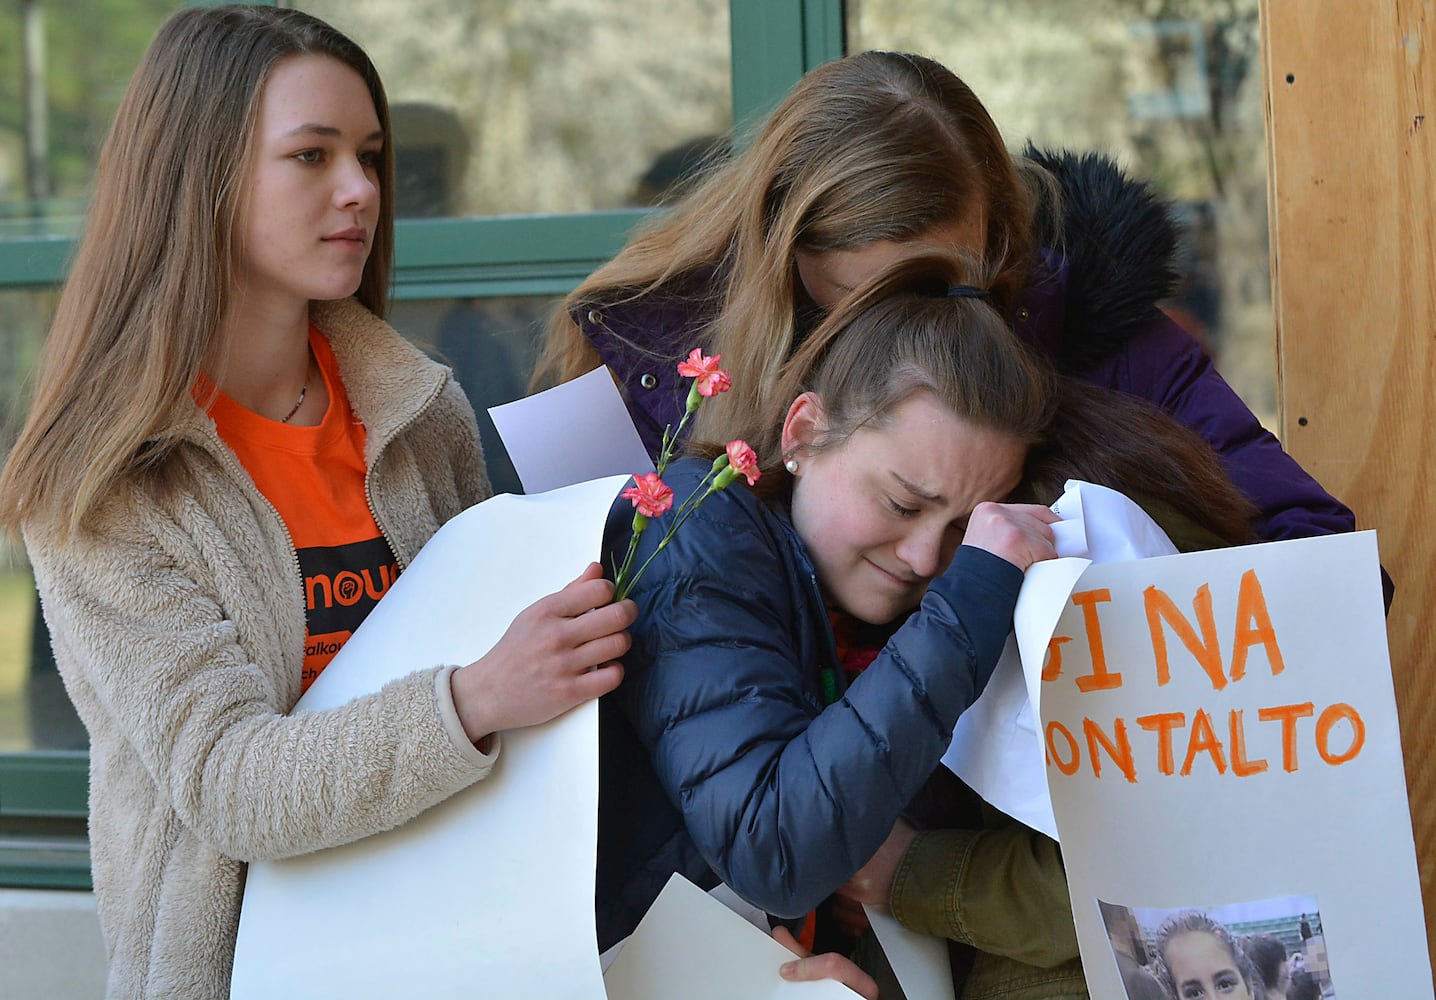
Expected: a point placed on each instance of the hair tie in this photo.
(967, 292)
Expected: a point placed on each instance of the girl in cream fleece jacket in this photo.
(240, 213)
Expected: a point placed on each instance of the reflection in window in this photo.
(1172, 90)
(34, 710)
(63, 68)
(490, 345)
(511, 106)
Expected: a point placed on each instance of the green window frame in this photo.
(43, 794)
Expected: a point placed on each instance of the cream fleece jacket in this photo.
(178, 626)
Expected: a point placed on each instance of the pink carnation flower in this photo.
(743, 460)
(650, 495)
(709, 378)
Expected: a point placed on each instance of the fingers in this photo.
(594, 637)
(602, 650)
(597, 682)
(830, 966)
(559, 652)
(585, 592)
(581, 628)
(1019, 533)
(785, 938)
(602, 621)
(1044, 514)
(588, 601)
(593, 571)
(810, 967)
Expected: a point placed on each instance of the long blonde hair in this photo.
(875, 146)
(153, 276)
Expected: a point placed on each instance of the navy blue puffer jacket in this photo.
(718, 758)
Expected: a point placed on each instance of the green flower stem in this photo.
(671, 436)
(622, 584)
(696, 497)
(689, 508)
(718, 477)
(640, 522)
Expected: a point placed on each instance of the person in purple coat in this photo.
(870, 159)
(878, 155)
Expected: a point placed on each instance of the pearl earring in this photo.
(792, 466)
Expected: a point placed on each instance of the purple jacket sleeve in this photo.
(1166, 366)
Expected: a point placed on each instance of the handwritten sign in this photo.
(1220, 728)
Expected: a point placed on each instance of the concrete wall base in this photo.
(50, 946)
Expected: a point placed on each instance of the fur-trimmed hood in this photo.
(1118, 242)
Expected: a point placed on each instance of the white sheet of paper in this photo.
(996, 747)
(1245, 790)
(919, 961)
(690, 945)
(725, 895)
(1114, 529)
(574, 432)
(492, 890)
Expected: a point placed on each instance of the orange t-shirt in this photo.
(314, 477)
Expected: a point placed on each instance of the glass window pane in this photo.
(63, 68)
(490, 343)
(1176, 97)
(510, 107)
(35, 713)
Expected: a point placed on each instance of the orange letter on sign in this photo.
(1288, 714)
(1253, 628)
(1206, 649)
(1162, 724)
(1204, 738)
(1242, 767)
(1053, 668)
(1069, 767)
(1120, 751)
(1329, 718)
(1099, 679)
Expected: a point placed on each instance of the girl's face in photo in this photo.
(313, 199)
(1203, 968)
(883, 512)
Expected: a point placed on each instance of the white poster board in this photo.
(690, 945)
(1221, 735)
(491, 892)
(996, 749)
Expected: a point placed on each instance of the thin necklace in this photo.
(303, 389)
(297, 403)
